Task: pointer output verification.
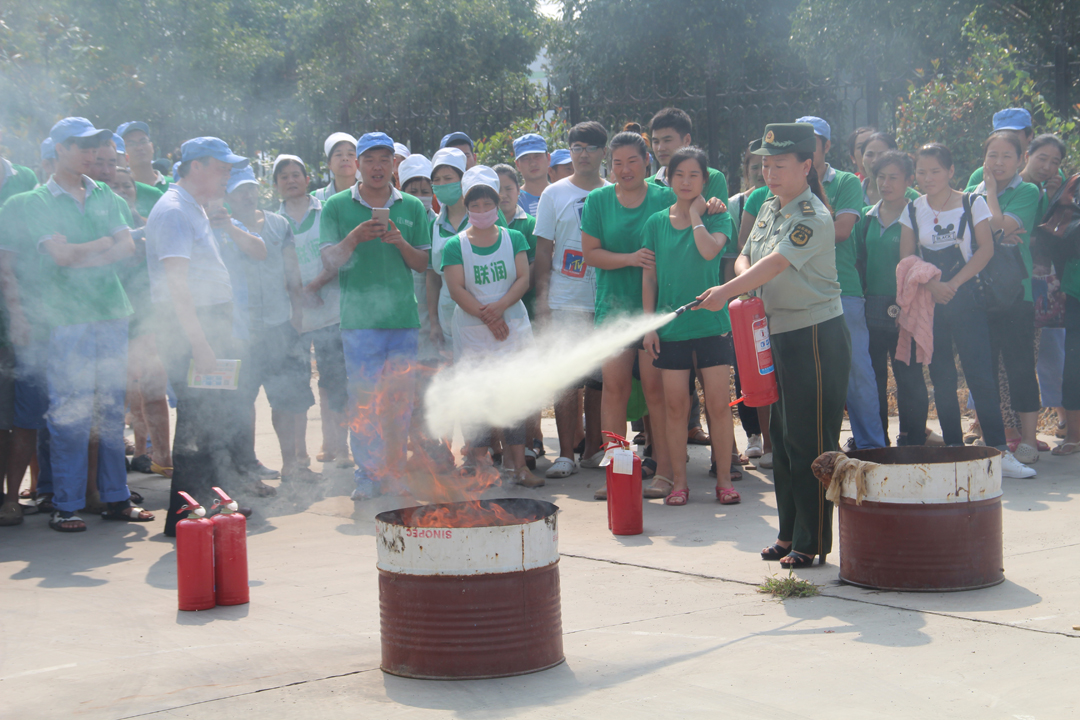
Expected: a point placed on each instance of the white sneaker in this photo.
(753, 446)
(593, 461)
(1013, 468)
(765, 461)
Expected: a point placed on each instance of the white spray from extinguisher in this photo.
(503, 390)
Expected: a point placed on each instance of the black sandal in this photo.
(648, 468)
(801, 560)
(126, 511)
(775, 552)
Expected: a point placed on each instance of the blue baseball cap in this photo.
(1012, 119)
(75, 127)
(559, 157)
(528, 144)
(176, 172)
(127, 127)
(457, 138)
(241, 176)
(119, 142)
(820, 126)
(48, 149)
(216, 148)
(372, 140)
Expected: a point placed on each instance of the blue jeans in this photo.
(862, 396)
(379, 421)
(87, 376)
(963, 321)
(1051, 365)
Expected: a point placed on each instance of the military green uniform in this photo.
(811, 348)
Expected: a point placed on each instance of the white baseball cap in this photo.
(449, 156)
(414, 166)
(282, 158)
(336, 138)
(479, 175)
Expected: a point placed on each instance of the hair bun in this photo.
(633, 127)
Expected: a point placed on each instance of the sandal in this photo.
(678, 497)
(1066, 448)
(697, 436)
(775, 552)
(136, 498)
(161, 470)
(799, 560)
(26, 494)
(1042, 446)
(648, 468)
(44, 503)
(735, 471)
(57, 522)
(538, 448)
(128, 512)
(728, 496)
(142, 464)
(652, 492)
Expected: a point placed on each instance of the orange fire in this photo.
(426, 478)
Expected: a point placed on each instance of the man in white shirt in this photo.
(566, 287)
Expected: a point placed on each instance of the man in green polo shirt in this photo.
(79, 228)
(139, 151)
(380, 322)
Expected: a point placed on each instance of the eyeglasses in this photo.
(578, 149)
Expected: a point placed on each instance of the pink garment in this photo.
(916, 309)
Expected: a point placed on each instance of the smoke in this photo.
(502, 391)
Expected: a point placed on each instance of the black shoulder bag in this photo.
(1002, 278)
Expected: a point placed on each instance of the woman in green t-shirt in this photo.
(1013, 205)
(687, 245)
(486, 268)
(611, 240)
(877, 238)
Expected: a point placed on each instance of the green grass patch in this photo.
(786, 587)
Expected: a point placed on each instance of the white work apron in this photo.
(488, 278)
(446, 303)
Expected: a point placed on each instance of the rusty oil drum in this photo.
(470, 603)
(930, 520)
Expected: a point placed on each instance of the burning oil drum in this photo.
(470, 590)
(929, 520)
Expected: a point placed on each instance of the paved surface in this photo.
(666, 624)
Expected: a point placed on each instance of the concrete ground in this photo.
(665, 624)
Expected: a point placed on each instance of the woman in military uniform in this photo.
(790, 262)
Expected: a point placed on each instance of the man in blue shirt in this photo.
(531, 158)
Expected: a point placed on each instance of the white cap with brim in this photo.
(479, 175)
(414, 166)
(449, 156)
(283, 158)
(402, 150)
(334, 139)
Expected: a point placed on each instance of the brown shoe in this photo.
(525, 478)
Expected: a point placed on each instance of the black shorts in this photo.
(280, 363)
(701, 352)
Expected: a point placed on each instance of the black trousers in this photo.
(812, 366)
(213, 443)
(912, 400)
(1070, 385)
(1012, 338)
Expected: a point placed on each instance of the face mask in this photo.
(448, 194)
(426, 199)
(483, 220)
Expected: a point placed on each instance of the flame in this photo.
(429, 475)
(476, 513)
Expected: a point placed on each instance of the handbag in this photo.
(881, 312)
(1049, 301)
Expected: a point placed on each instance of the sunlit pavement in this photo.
(665, 624)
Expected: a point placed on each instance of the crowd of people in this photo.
(126, 291)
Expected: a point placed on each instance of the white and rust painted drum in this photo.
(930, 520)
(470, 602)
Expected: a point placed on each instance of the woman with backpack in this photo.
(1013, 205)
(952, 231)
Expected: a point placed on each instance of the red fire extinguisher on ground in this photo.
(753, 351)
(230, 552)
(194, 557)
(623, 487)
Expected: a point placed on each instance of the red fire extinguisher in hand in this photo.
(753, 351)
(230, 551)
(194, 557)
(623, 486)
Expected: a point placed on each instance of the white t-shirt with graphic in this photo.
(558, 218)
(943, 233)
